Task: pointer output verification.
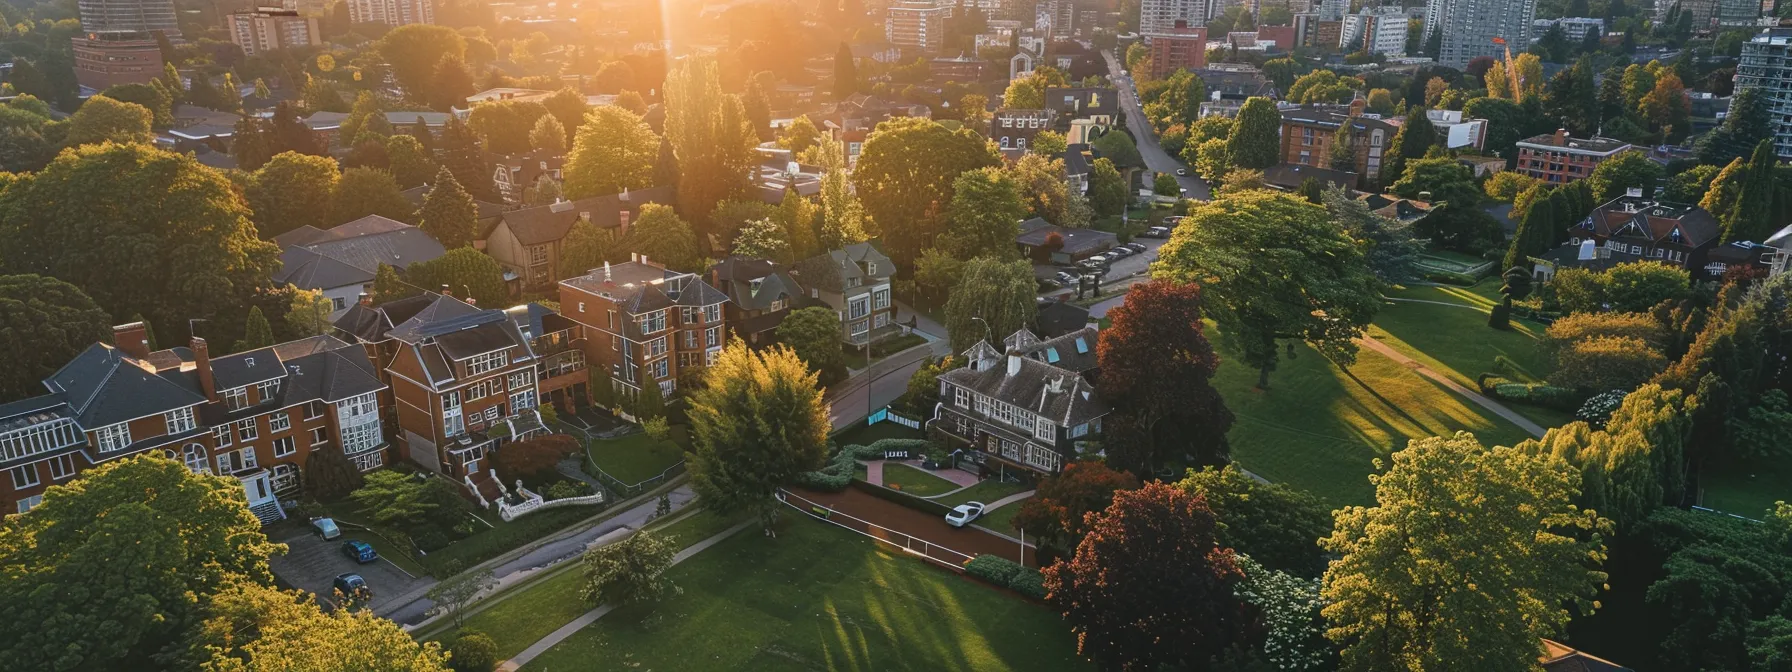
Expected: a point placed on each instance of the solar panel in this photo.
(1082, 346)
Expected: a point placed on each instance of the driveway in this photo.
(1155, 157)
(312, 564)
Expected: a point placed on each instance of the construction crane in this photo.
(1511, 71)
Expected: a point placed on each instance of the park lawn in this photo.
(987, 491)
(865, 435)
(821, 597)
(1457, 341)
(1748, 489)
(1319, 428)
(634, 458)
(898, 476)
(502, 537)
(1002, 519)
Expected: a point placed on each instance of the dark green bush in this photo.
(1008, 574)
(473, 652)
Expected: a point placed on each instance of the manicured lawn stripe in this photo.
(987, 492)
(1002, 519)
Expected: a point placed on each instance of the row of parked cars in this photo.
(1121, 252)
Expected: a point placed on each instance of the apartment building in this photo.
(129, 16)
(268, 28)
(1377, 30)
(1469, 27)
(1180, 47)
(1766, 66)
(560, 374)
(645, 323)
(917, 25)
(1308, 132)
(256, 416)
(462, 380)
(1560, 158)
(1161, 16)
(392, 12)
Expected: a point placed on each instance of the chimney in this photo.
(1013, 362)
(132, 339)
(366, 299)
(622, 222)
(1561, 137)
(202, 363)
(1358, 105)
(607, 273)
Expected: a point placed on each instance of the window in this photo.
(319, 436)
(658, 367)
(713, 337)
(336, 303)
(859, 307)
(629, 367)
(359, 420)
(656, 347)
(880, 299)
(712, 313)
(24, 477)
(1043, 429)
(314, 410)
(286, 477)
(962, 397)
(712, 356)
(690, 338)
(687, 314)
(264, 392)
(615, 343)
(492, 413)
(221, 435)
(882, 319)
(653, 323)
(113, 437)
(179, 421)
(61, 467)
(522, 400)
(1042, 457)
(283, 446)
(982, 405)
(236, 399)
(279, 422)
(538, 255)
(481, 389)
(245, 430)
(779, 304)
(194, 456)
(1005, 138)
(369, 461)
(520, 379)
(490, 361)
(28, 503)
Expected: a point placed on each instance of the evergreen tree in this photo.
(1256, 137)
(252, 143)
(256, 332)
(846, 73)
(1532, 236)
(712, 137)
(452, 83)
(1744, 127)
(1751, 217)
(1414, 138)
(1343, 154)
(290, 134)
(448, 212)
(462, 155)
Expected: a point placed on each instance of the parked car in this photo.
(1156, 232)
(1137, 248)
(1093, 263)
(325, 528)
(353, 587)
(1066, 277)
(359, 551)
(1120, 252)
(964, 513)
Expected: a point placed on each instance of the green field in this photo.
(1458, 343)
(914, 481)
(634, 458)
(987, 491)
(818, 597)
(1747, 490)
(1002, 519)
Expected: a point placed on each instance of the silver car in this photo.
(964, 514)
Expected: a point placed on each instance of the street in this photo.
(1155, 157)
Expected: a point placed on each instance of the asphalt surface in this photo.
(312, 564)
(1155, 157)
(916, 531)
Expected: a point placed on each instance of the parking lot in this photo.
(312, 564)
(1119, 269)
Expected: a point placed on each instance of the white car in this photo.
(325, 528)
(964, 514)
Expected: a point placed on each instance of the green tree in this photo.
(1283, 270)
(1024, 93)
(461, 154)
(1213, 160)
(1276, 525)
(904, 179)
(392, 498)
(1256, 137)
(757, 106)
(103, 119)
(985, 215)
(413, 51)
(1751, 219)
(1469, 558)
(192, 251)
(411, 164)
(1046, 191)
(1721, 197)
(814, 335)
(1343, 150)
(799, 136)
(569, 107)
(286, 193)
(1572, 97)
(587, 246)
(1445, 179)
(466, 272)
(763, 239)
(631, 571)
(1535, 233)
(842, 216)
(368, 191)
(846, 73)
(473, 651)
(256, 332)
(998, 292)
(1107, 189)
(1410, 143)
(448, 213)
(1628, 170)
(1389, 247)
(799, 218)
(661, 234)
(1746, 125)
(155, 100)
(758, 423)
(1506, 185)
(308, 313)
(711, 137)
(256, 628)
(1048, 144)
(1118, 147)
(505, 125)
(159, 558)
(1322, 86)
(366, 115)
(549, 135)
(387, 286)
(1165, 184)
(44, 323)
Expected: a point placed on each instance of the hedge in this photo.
(1539, 394)
(838, 472)
(1008, 574)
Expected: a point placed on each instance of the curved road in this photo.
(1155, 157)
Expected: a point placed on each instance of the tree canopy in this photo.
(613, 150)
(904, 178)
(1157, 372)
(757, 424)
(44, 323)
(999, 293)
(289, 191)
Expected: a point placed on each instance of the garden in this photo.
(637, 457)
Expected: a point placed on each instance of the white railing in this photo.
(536, 503)
(468, 479)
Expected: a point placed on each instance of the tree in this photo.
(288, 133)
(1469, 558)
(1283, 270)
(466, 272)
(999, 292)
(587, 246)
(256, 332)
(1118, 147)
(1255, 141)
(1506, 185)
(1607, 363)
(368, 191)
(414, 51)
(1442, 180)
(1751, 218)
(1410, 143)
(1157, 371)
(1572, 97)
(367, 115)
(757, 106)
(154, 99)
(308, 312)
(411, 164)
(192, 251)
(44, 323)
(1389, 248)
(505, 125)
(393, 498)
(711, 136)
(904, 178)
(1343, 150)
(256, 628)
(448, 213)
(1276, 525)
(1213, 161)
(846, 73)
(1323, 86)
(1746, 125)
(924, 385)
(1057, 516)
(25, 78)
(461, 154)
(473, 651)
(1048, 143)
(814, 335)
(985, 215)
(287, 191)
(758, 423)
(1720, 198)
(1115, 595)
(159, 558)
(1024, 93)
(549, 135)
(631, 571)
(1632, 466)
(532, 461)
(387, 286)
(252, 143)
(103, 119)
(1535, 232)
(799, 136)
(798, 217)
(1624, 171)
(1667, 107)
(614, 150)
(1107, 189)
(368, 152)
(1289, 610)
(661, 233)
(1046, 191)
(762, 239)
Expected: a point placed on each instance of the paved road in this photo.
(312, 564)
(1155, 157)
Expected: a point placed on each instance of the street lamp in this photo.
(988, 333)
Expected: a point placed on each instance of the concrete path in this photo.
(1435, 303)
(542, 645)
(926, 326)
(1008, 500)
(1523, 423)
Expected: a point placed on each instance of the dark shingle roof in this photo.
(1073, 351)
(1076, 241)
(246, 368)
(1056, 318)
(549, 223)
(831, 271)
(105, 387)
(1655, 221)
(351, 253)
(1085, 101)
(736, 275)
(1059, 394)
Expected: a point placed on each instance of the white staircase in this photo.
(268, 512)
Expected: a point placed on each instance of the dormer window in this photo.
(871, 267)
(490, 361)
(236, 399)
(265, 391)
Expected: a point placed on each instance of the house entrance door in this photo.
(258, 488)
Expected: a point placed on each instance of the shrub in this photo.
(1607, 363)
(1539, 394)
(1565, 332)
(473, 651)
(1598, 409)
(1007, 574)
(565, 489)
(533, 461)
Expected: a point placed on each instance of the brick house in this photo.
(1559, 158)
(1014, 129)
(255, 416)
(560, 375)
(855, 282)
(1308, 131)
(528, 241)
(645, 323)
(1024, 410)
(461, 378)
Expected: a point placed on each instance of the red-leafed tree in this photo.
(1053, 242)
(1150, 587)
(1156, 373)
(532, 460)
(1055, 515)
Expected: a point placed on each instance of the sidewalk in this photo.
(542, 645)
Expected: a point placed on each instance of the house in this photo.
(1077, 159)
(1634, 227)
(343, 260)
(558, 343)
(1560, 158)
(528, 241)
(1075, 244)
(1308, 132)
(1013, 129)
(959, 68)
(644, 324)
(1402, 210)
(1236, 81)
(515, 173)
(1073, 350)
(760, 293)
(1457, 130)
(1559, 657)
(256, 416)
(1070, 103)
(1015, 411)
(462, 380)
(1057, 318)
(855, 282)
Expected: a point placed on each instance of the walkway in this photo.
(874, 474)
(1514, 417)
(542, 645)
(1008, 500)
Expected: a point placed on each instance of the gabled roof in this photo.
(1074, 351)
(1642, 218)
(643, 288)
(246, 368)
(753, 284)
(1558, 657)
(549, 223)
(1059, 394)
(351, 253)
(105, 387)
(1084, 101)
(831, 271)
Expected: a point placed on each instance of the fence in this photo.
(627, 490)
(935, 553)
(888, 414)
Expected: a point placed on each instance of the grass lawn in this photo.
(987, 492)
(1001, 520)
(821, 597)
(1746, 489)
(865, 435)
(898, 476)
(1319, 427)
(494, 541)
(634, 458)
